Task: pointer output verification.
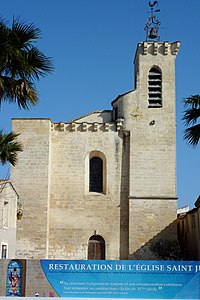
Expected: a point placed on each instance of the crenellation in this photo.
(106, 126)
(175, 48)
(84, 127)
(155, 48)
(95, 126)
(161, 48)
(73, 126)
(166, 48)
(145, 48)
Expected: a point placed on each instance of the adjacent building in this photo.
(189, 232)
(8, 218)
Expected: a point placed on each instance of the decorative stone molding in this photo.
(155, 49)
(145, 48)
(73, 126)
(120, 124)
(62, 126)
(95, 126)
(153, 197)
(106, 126)
(164, 48)
(175, 47)
(85, 127)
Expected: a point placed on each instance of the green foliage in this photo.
(191, 117)
(21, 63)
(9, 147)
(166, 249)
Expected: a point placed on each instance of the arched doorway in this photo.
(96, 248)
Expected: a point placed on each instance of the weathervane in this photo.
(152, 24)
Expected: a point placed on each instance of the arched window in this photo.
(14, 279)
(155, 87)
(96, 248)
(96, 175)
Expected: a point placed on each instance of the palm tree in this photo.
(21, 63)
(9, 147)
(191, 117)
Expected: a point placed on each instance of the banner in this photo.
(124, 279)
(120, 279)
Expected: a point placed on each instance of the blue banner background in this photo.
(124, 279)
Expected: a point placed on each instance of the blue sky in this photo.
(92, 43)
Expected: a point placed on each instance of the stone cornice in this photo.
(87, 126)
(155, 48)
(153, 197)
(164, 48)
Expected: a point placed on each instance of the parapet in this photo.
(86, 126)
(155, 48)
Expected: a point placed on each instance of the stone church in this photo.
(103, 186)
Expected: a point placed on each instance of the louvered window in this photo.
(155, 88)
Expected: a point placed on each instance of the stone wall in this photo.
(60, 214)
(36, 282)
(159, 217)
(31, 177)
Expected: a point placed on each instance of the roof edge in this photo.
(117, 98)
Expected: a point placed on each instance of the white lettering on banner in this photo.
(179, 268)
(197, 268)
(142, 267)
(81, 267)
(139, 267)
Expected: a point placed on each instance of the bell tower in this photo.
(152, 121)
(149, 114)
(152, 125)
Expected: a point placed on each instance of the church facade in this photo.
(103, 186)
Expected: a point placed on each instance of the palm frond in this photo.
(192, 101)
(191, 116)
(18, 91)
(9, 147)
(24, 34)
(39, 64)
(21, 63)
(192, 135)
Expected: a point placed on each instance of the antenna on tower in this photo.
(152, 24)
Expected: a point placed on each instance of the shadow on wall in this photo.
(163, 246)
